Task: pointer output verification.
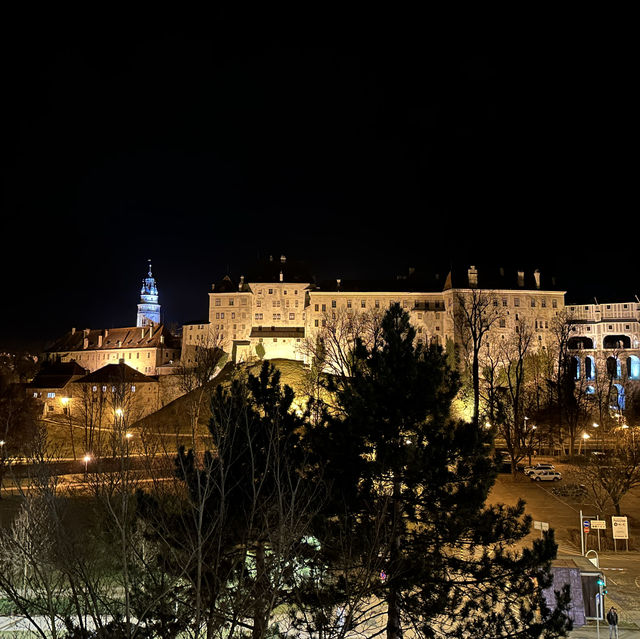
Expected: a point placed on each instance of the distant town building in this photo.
(144, 348)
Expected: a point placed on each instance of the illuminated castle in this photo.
(148, 309)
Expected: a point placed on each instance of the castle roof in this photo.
(114, 338)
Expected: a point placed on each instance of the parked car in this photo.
(545, 475)
(532, 469)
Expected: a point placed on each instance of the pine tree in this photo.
(409, 487)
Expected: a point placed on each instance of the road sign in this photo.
(598, 524)
(620, 527)
(541, 525)
(587, 526)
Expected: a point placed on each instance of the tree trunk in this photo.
(394, 629)
(260, 621)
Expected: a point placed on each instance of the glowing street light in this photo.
(86, 459)
(119, 412)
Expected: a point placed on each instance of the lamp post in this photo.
(597, 431)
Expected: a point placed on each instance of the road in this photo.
(622, 569)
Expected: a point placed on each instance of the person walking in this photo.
(612, 620)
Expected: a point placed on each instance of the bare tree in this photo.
(475, 312)
(199, 366)
(618, 471)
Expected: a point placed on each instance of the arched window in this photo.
(575, 368)
(613, 367)
(633, 367)
(589, 368)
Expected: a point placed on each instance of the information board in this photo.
(620, 527)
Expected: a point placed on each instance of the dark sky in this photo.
(362, 151)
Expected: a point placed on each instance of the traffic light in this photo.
(602, 586)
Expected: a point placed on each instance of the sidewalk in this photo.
(590, 632)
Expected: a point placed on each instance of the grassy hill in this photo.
(172, 421)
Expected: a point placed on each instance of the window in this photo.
(363, 304)
(316, 323)
(324, 308)
(377, 304)
(133, 389)
(504, 301)
(284, 292)
(333, 303)
(533, 303)
(233, 315)
(276, 316)
(503, 323)
(495, 302)
(543, 303)
(221, 315)
(348, 303)
(516, 301)
(270, 291)
(292, 316)
(218, 301)
(554, 303)
(230, 302)
(317, 308)
(51, 395)
(258, 316)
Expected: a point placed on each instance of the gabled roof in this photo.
(57, 375)
(116, 374)
(114, 338)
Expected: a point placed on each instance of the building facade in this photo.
(276, 313)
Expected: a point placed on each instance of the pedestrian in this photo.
(612, 620)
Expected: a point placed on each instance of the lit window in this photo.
(51, 395)
(133, 389)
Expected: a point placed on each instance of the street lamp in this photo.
(585, 436)
(86, 459)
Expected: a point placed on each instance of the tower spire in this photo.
(148, 308)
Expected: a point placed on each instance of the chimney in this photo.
(85, 343)
(86, 332)
(241, 285)
(536, 276)
(502, 271)
(412, 270)
(119, 343)
(106, 333)
(99, 341)
(520, 278)
(338, 281)
(213, 287)
(73, 331)
(162, 339)
(142, 333)
(473, 277)
(271, 258)
(281, 277)
(283, 259)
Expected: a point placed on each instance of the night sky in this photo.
(362, 151)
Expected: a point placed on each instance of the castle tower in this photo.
(148, 309)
